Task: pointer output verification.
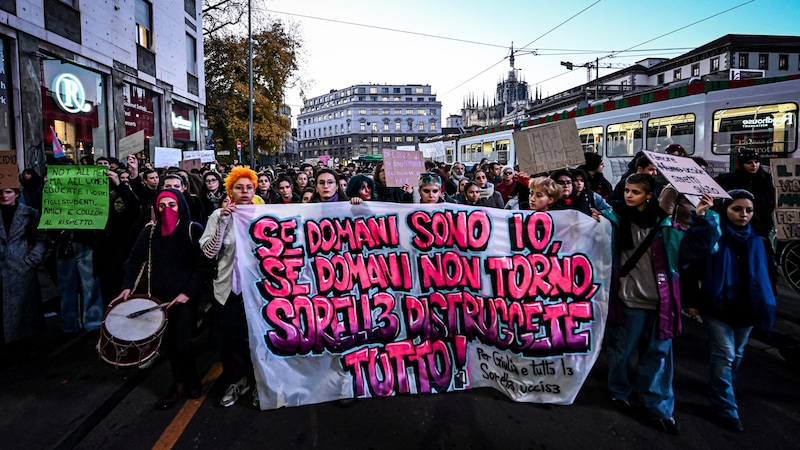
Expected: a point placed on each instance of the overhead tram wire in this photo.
(415, 33)
(531, 42)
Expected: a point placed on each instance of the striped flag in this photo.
(58, 151)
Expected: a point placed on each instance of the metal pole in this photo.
(250, 74)
(597, 79)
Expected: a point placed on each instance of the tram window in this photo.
(448, 155)
(764, 129)
(488, 151)
(624, 139)
(592, 139)
(502, 151)
(475, 152)
(678, 129)
(465, 156)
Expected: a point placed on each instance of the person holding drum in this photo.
(167, 263)
(218, 242)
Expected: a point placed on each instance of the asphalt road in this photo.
(63, 396)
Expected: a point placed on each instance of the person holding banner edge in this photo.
(644, 304)
(219, 243)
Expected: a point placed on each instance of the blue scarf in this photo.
(722, 274)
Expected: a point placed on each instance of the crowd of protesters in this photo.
(176, 224)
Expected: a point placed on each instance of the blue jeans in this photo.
(70, 270)
(654, 370)
(727, 347)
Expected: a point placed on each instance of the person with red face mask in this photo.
(166, 261)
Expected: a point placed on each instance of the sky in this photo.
(461, 47)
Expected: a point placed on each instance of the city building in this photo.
(94, 72)
(363, 119)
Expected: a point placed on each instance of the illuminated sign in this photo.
(69, 94)
(180, 123)
(769, 121)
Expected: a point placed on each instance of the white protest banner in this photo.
(130, 145)
(548, 147)
(786, 179)
(381, 299)
(167, 157)
(432, 149)
(402, 167)
(685, 175)
(206, 156)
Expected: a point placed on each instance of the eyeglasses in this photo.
(242, 188)
(564, 182)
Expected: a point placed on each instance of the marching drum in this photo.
(131, 341)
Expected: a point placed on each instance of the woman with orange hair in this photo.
(218, 241)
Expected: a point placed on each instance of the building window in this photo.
(420, 112)
(695, 70)
(386, 126)
(419, 90)
(191, 54)
(397, 126)
(783, 62)
(363, 126)
(374, 127)
(422, 126)
(385, 90)
(360, 111)
(433, 126)
(144, 24)
(676, 74)
(408, 91)
(386, 112)
(714, 64)
(374, 111)
(386, 139)
(409, 112)
(395, 90)
(433, 112)
(409, 138)
(660, 79)
(373, 90)
(743, 61)
(398, 112)
(763, 61)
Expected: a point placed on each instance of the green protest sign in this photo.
(75, 197)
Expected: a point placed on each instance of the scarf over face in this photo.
(168, 218)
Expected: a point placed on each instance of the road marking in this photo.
(176, 428)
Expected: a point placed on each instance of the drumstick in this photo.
(147, 310)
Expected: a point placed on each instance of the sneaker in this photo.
(668, 425)
(231, 396)
(256, 402)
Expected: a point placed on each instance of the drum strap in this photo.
(148, 263)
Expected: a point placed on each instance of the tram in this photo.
(712, 119)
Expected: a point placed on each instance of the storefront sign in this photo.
(75, 197)
(179, 123)
(69, 94)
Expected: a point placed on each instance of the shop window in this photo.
(144, 24)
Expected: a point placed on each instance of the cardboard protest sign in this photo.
(75, 197)
(548, 147)
(130, 145)
(685, 175)
(189, 164)
(167, 157)
(9, 170)
(402, 167)
(786, 178)
(428, 296)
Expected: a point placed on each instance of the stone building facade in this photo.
(92, 73)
